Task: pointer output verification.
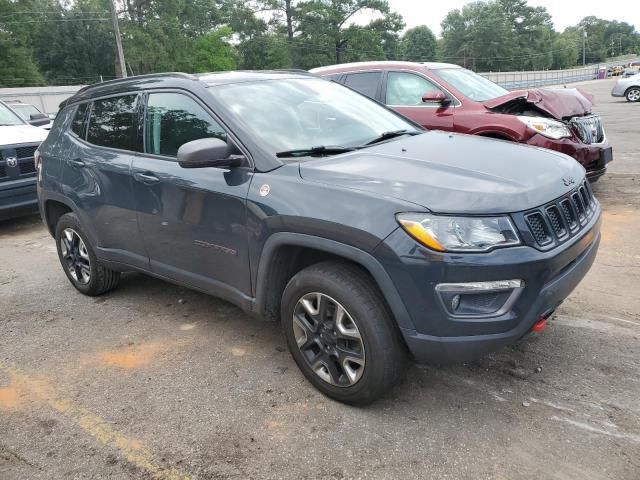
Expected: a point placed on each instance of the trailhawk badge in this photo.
(12, 161)
(568, 181)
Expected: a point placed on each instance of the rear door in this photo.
(97, 175)
(193, 220)
(403, 92)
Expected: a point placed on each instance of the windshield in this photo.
(290, 114)
(7, 117)
(24, 110)
(470, 84)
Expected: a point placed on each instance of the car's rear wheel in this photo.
(633, 94)
(79, 260)
(341, 334)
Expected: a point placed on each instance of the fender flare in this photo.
(356, 255)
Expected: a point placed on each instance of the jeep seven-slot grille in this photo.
(561, 218)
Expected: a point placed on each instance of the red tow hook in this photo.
(539, 326)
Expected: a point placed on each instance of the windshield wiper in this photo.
(393, 134)
(319, 150)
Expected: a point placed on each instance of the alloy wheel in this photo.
(633, 95)
(75, 256)
(329, 339)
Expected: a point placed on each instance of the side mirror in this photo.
(436, 96)
(208, 152)
(38, 119)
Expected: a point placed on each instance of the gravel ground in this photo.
(155, 381)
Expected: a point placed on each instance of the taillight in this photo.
(37, 158)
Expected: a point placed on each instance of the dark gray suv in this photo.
(304, 202)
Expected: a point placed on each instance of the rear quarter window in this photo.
(78, 122)
(113, 123)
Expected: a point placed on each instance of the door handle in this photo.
(76, 162)
(146, 178)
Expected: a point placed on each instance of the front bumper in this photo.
(594, 157)
(439, 337)
(17, 198)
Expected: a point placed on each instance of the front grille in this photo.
(27, 167)
(539, 228)
(3, 171)
(589, 129)
(26, 152)
(560, 219)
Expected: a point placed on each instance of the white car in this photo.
(30, 114)
(18, 144)
(628, 87)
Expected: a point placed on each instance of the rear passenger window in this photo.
(77, 125)
(365, 83)
(114, 123)
(173, 119)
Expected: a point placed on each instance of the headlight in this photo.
(459, 234)
(547, 127)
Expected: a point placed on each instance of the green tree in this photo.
(419, 44)
(328, 34)
(18, 68)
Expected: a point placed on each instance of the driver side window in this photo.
(407, 89)
(173, 119)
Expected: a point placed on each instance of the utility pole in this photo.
(584, 49)
(116, 31)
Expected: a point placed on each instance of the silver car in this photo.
(628, 87)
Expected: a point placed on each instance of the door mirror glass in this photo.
(207, 152)
(435, 96)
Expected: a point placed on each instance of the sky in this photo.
(564, 12)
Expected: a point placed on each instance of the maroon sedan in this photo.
(448, 97)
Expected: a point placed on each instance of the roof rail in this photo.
(136, 77)
(291, 70)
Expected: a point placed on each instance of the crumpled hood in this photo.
(14, 134)
(452, 173)
(559, 103)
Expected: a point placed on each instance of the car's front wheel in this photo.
(341, 334)
(633, 94)
(79, 260)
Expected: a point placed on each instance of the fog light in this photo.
(479, 299)
(455, 302)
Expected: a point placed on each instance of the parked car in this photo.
(304, 202)
(18, 142)
(447, 97)
(30, 114)
(615, 71)
(628, 88)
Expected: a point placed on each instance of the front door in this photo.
(193, 221)
(404, 92)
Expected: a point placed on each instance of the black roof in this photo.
(177, 79)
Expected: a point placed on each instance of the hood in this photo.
(560, 103)
(14, 134)
(452, 173)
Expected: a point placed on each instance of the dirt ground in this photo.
(156, 381)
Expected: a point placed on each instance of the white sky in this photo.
(564, 12)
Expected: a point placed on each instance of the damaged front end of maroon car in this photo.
(562, 120)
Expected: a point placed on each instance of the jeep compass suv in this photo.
(304, 202)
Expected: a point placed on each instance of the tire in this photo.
(373, 363)
(81, 266)
(633, 94)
